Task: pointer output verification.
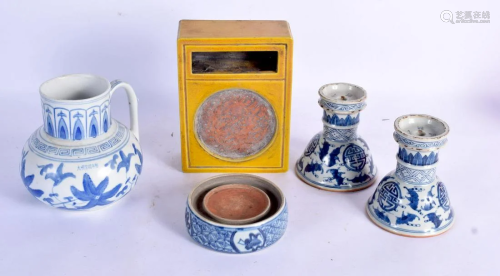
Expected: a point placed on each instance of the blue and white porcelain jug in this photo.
(81, 158)
(412, 200)
(338, 159)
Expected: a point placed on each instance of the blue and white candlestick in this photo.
(338, 159)
(412, 200)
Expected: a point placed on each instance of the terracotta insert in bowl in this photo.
(241, 238)
(236, 204)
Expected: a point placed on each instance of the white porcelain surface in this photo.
(236, 239)
(412, 200)
(337, 158)
(81, 159)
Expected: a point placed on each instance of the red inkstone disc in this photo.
(235, 124)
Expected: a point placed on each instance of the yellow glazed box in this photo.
(234, 95)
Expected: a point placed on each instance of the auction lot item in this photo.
(234, 95)
(81, 158)
(412, 200)
(338, 159)
(241, 238)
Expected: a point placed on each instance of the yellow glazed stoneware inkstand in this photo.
(234, 95)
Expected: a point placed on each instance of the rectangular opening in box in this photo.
(235, 62)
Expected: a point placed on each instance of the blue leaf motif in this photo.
(253, 242)
(80, 195)
(112, 162)
(323, 153)
(138, 167)
(28, 179)
(48, 200)
(337, 175)
(429, 201)
(406, 219)
(372, 167)
(413, 198)
(435, 219)
(59, 176)
(123, 191)
(334, 156)
(125, 163)
(313, 168)
(44, 168)
(94, 195)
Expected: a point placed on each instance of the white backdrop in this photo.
(407, 59)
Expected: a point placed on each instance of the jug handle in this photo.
(132, 101)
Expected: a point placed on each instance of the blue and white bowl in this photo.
(236, 239)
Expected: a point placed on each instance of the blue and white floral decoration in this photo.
(338, 159)
(412, 200)
(236, 239)
(88, 177)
